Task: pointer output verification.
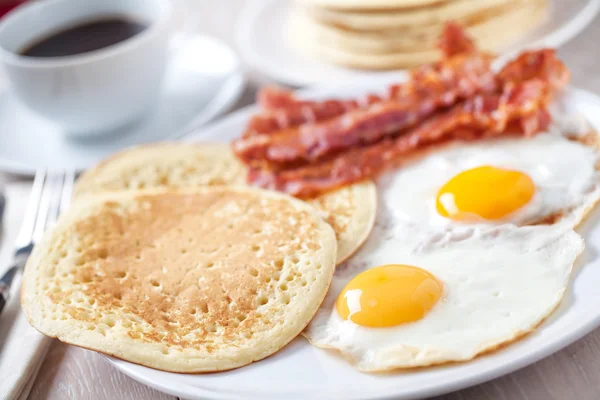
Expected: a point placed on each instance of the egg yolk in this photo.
(484, 192)
(389, 295)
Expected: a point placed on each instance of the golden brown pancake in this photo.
(197, 280)
(402, 48)
(411, 19)
(371, 4)
(350, 210)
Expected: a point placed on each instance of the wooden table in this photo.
(72, 373)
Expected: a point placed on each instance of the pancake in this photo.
(350, 210)
(198, 280)
(372, 4)
(164, 165)
(381, 52)
(414, 18)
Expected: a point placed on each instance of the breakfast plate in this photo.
(300, 371)
(197, 89)
(262, 40)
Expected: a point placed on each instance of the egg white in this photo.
(563, 171)
(499, 283)
(501, 278)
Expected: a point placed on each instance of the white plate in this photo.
(300, 371)
(262, 41)
(203, 80)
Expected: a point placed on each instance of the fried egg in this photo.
(507, 180)
(398, 304)
(473, 247)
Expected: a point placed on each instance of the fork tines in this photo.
(50, 195)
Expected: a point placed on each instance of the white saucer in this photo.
(262, 41)
(204, 80)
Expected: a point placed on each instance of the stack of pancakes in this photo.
(397, 34)
(168, 260)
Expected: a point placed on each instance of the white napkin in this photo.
(22, 348)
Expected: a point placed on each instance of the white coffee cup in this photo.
(94, 92)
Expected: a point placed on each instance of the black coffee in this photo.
(89, 36)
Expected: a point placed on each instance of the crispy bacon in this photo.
(296, 113)
(433, 88)
(286, 111)
(274, 98)
(439, 86)
(282, 110)
(520, 107)
(539, 64)
(306, 147)
(454, 40)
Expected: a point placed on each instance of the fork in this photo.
(50, 196)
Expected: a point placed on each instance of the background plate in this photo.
(300, 371)
(262, 41)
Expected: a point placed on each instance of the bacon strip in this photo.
(306, 147)
(415, 102)
(274, 98)
(520, 107)
(539, 64)
(282, 110)
(441, 85)
(454, 40)
(295, 114)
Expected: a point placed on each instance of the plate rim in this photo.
(528, 357)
